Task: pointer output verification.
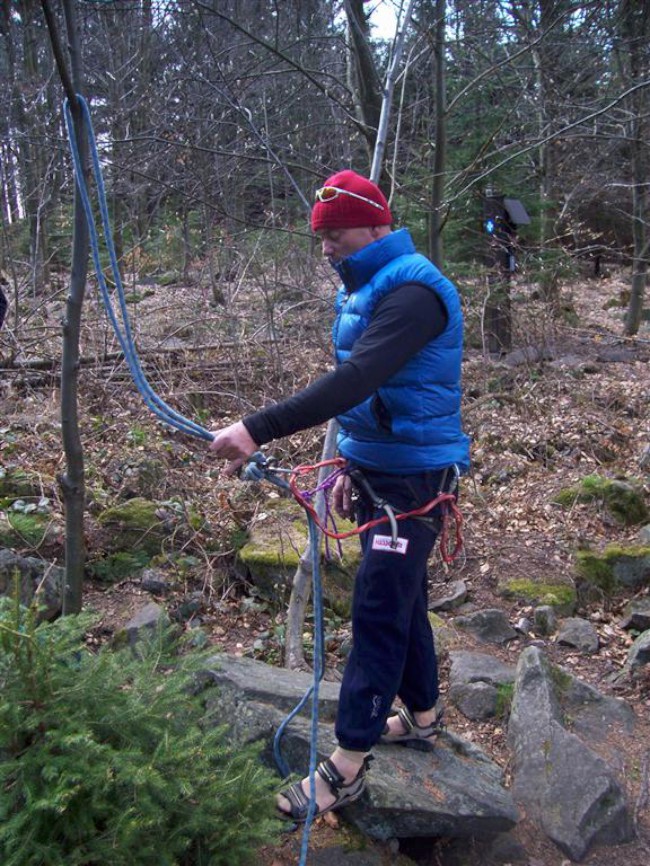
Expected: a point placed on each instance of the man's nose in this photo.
(327, 247)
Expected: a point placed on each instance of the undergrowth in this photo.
(110, 758)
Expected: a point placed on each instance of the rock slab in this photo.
(568, 789)
(454, 791)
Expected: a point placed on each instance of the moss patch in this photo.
(562, 597)
(118, 566)
(134, 525)
(623, 499)
(615, 567)
(275, 545)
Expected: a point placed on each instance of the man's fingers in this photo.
(233, 466)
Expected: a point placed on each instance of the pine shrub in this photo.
(108, 758)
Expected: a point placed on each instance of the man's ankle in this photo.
(426, 717)
(347, 759)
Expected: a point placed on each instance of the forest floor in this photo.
(576, 405)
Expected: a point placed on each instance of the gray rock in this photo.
(473, 683)
(471, 667)
(453, 791)
(476, 701)
(545, 620)
(523, 625)
(637, 615)
(644, 532)
(490, 626)
(154, 581)
(562, 784)
(632, 571)
(35, 577)
(579, 633)
(455, 594)
(150, 617)
(639, 653)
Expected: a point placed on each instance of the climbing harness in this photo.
(123, 332)
(445, 500)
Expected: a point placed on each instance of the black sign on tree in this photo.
(501, 217)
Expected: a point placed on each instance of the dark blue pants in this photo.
(393, 651)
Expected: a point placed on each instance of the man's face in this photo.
(338, 244)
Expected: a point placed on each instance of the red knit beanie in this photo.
(339, 210)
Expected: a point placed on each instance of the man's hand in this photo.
(234, 443)
(342, 497)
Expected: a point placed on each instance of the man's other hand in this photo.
(342, 497)
(235, 444)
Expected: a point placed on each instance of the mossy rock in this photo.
(169, 278)
(23, 484)
(623, 499)
(444, 636)
(560, 595)
(617, 567)
(277, 539)
(135, 525)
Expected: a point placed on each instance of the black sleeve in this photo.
(403, 323)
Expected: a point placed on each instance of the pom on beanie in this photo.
(350, 207)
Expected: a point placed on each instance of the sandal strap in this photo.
(327, 770)
(298, 800)
(407, 719)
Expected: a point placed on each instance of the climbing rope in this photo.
(123, 332)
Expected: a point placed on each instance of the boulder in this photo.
(636, 614)
(479, 685)
(490, 626)
(454, 791)
(580, 634)
(451, 596)
(564, 786)
(137, 524)
(278, 537)
(639, 653)
(559, 594)
(35, 578)
(615, 568)
(544, 620)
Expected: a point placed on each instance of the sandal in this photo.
(344, 793)
(420, 737)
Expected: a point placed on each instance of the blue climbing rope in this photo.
(125, 337)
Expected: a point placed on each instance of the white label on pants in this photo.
(385, 542)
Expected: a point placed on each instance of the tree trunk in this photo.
(636, 30)
(440, 153)
(72, 480)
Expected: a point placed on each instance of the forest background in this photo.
(216, 120)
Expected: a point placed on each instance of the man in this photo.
(396, 393)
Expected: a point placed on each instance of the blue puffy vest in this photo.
(412, 423)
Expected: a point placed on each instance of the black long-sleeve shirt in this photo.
(402, 324)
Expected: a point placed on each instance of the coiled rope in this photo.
(123, 332)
